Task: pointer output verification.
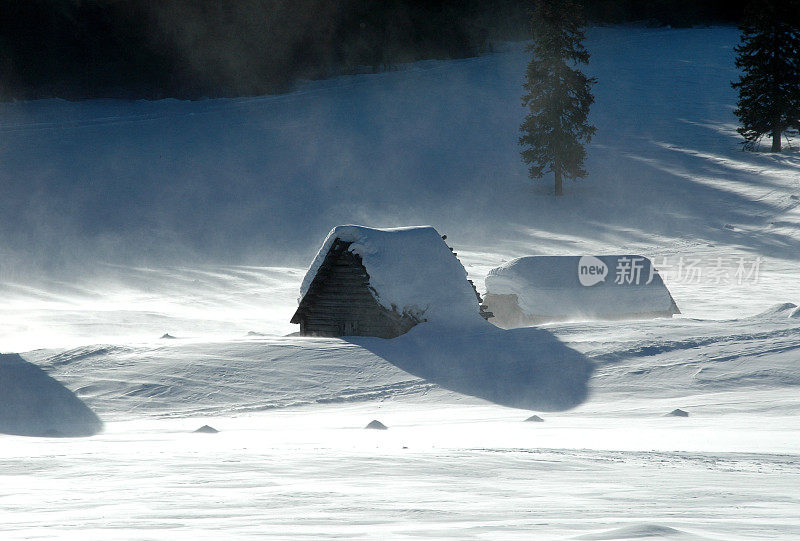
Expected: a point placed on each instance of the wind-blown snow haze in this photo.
(152, 254)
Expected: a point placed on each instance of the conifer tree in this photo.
(769, 57)
(557, 94)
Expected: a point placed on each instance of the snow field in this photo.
(200, 218)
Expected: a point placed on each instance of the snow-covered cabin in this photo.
(538, 289)
(382, 282)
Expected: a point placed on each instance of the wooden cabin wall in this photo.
(505, 311)
(507, 314)
(342, 305)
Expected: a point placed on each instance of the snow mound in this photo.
(780, 308)
(678, 413)
(34, 404)
(639, 531)
(153, 379)
(527, 368)
(410, 269)
(551, 288)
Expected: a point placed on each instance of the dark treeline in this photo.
(206, 48)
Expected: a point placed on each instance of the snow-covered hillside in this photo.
(432, 143)
(123, 221)
(182, 190)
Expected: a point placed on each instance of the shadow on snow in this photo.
(525, 368)
(34, 404)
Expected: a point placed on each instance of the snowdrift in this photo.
(34, 404)
(520, 368)
(183, 378)
(525, 368)
(537, 289)
(531, 368)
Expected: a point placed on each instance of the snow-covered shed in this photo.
(382, 282)
(538, 289)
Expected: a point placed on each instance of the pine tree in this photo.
(557, 94)
(769, 56)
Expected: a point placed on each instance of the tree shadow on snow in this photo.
(521, 368)
(34, 404)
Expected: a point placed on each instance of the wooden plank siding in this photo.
(507, 314)
(339, 301)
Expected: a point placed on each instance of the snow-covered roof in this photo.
(410, 269)
(552, 286)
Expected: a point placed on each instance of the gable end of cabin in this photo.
(341, 302)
